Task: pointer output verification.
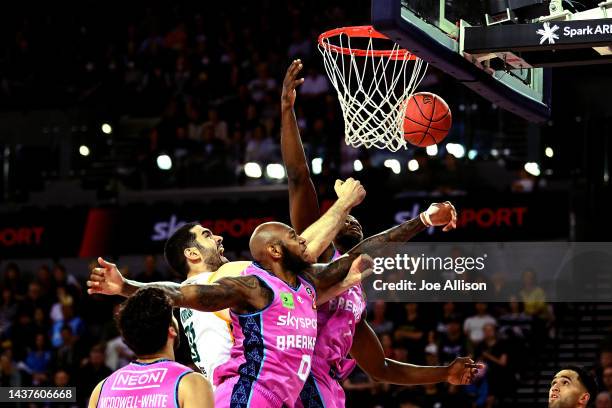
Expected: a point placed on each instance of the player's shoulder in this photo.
(230, 270)
(195, 387)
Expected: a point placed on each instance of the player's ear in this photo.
(274, 250)
(191, 254)
(584, 399)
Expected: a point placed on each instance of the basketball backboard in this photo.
(431, 29)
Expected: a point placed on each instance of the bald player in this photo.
(572, 387)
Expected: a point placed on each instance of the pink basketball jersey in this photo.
(143, 385)
(337, 320)
(273, 348)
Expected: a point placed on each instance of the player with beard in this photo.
(147, 326)
(572, 387)
(345, 314)
(272, 306)
(197, 253)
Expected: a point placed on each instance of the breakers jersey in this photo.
(337, 320)
(143, 385)
(272, 355)
(209, 334)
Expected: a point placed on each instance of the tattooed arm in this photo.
(324, 276)
(437, 214)
(241, 293)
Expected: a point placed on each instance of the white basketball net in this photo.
(373, 91)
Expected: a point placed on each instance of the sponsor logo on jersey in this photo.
(287, 300)
(296, 322)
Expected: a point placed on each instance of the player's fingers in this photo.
(92, 284)
(99, 272)
(295, 67)
(298, 82)
(104, 263)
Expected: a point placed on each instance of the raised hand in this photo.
(350, 191)
(290, 83)
(439, 214)
(463, 370)
(106, 280)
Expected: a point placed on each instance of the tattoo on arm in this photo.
(243, 294)
(324, 276)
(400, 233)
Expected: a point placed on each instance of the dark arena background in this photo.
(119, 121)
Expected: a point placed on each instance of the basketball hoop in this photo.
(373, 84)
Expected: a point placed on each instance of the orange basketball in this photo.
(427, 119)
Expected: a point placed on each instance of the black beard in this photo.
(345, 242)
(292, 262)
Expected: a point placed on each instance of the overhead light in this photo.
(532, 168)
(84, 151)
(164, 162)
(494, 152)
(456, 150)
(413, 165)
(252, 170)
(394, 165)
(107, 129)
(472, 154)
(317, 165)
(549, 152)
(432, 150)
(357, 165)
(275, 171)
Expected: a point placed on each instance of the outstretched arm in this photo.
(241, 293)
(303, 202)
(370, 356)
(438, 214)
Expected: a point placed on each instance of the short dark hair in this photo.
(143, 321)
(175, 245)
(587, 380)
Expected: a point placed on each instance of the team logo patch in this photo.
(312, 296)
(287, 299)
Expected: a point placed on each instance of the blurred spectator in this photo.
(68, 355)
(411, 332)
(12, 280)
(533, 296)
(359, 387)
(607, 379)
(452, 343)
(68, 319)
(605, 361)
(92, 372)
(22, 335)
(8, 309)
(39, 360)
(262, 84)
(300, 46)
(473, 326)
(150, 273)
(34, 298)
(315, 84)
(603, 400)
(45, 280)
(10, 374)
(494, 354)
(457, 397)
(378, 320)
(63, 278)
(218, 126)
(449, 313)
(260, 148)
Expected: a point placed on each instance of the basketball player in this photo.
(273, 314)
(572, 387)
(154, 379)
(345, 314)
(197, 253)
